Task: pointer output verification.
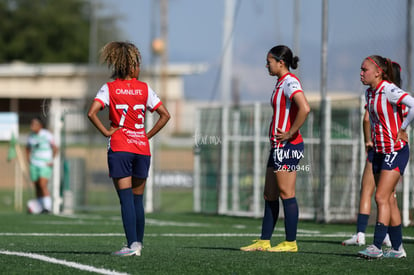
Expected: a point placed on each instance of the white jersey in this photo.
(284, 109)
(386, 116)
(40, 145)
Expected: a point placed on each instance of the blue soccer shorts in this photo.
(393, 161)
(370, 154)
(126, 164)
(286, 158)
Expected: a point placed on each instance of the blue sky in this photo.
(356, 29)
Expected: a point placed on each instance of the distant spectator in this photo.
(41, 150)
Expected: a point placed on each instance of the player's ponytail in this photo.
(282, 52)
(396, 71)
(295, 61)
(389, 72)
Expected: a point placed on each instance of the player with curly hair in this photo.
(129, 153)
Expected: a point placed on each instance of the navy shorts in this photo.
(370, 154)
(393, 161)
(286, 158)
(126, 164)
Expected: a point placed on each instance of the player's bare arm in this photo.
(366, 126)
(162, 120)
(93, 117)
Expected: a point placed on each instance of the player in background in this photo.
(290, 110)
(390, 141)
(129, 154)
(40, 151)
(368, 181)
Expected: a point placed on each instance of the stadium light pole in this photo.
(164, 53)
(409, 48)
(324, 166)
(93, 33)
(407, 178)
(296, 24)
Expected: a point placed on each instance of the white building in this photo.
(41, 88)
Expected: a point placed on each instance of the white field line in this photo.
(62, 262)
(62, 234)
(152, 222)
(188, 235)
(116, 221)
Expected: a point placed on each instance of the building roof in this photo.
(75, 81)
(20, 69)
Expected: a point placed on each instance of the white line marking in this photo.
(63, 234)
(172, 223)
(318, 235)
(62, 262)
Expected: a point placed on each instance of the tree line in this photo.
(49, 31)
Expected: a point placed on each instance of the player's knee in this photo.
(381, 198)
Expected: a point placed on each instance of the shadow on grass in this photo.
(350, 255)
(213, 248)
(321, 241)
(407, 241)
(353, 255)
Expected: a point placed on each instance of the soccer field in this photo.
(179, 244)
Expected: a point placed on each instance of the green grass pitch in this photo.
(180, 243)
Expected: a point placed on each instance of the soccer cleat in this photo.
(45, 211)
(133, 250)
(285, 247)
(387, 241)
(258, 245)
(357, 239)
(395, 254)
(371, 252)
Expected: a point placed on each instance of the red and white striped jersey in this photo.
(128, 101)
(284, 109)
(386, 116)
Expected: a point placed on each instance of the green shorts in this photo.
(37, 172)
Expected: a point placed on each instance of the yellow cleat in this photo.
(284, 247)
(258, 245)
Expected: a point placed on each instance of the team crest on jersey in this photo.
(397, 90)
(293, 85)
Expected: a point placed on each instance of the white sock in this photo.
(46, 203)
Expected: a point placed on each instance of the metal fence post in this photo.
(149, 186)
(223, 193)
(236, 162)
(325, 165)
(256, 163)
(197, 171)
(406, 180)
